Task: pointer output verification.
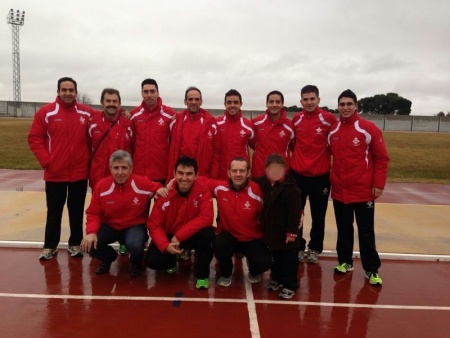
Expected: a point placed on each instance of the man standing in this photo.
(274, 133)
(108, 131)
(193, 134)
(235, 132)
(239, 202)
(310, 167)
(119, 212)
(358, 176)
(58, 139)
(183, 219)
(150, 122)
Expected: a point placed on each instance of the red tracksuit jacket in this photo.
(360, 159)
(271, 137)
(151, 140)
(58, 139)
(180, 216)
(311, 156)
(120, 206)
(117, 138)
(234, 133)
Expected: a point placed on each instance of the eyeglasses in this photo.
(348, 104)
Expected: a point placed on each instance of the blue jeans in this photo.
(133, 237)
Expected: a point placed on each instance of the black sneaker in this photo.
(103, 268)
(136, 270)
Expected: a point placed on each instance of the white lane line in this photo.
(226, 300)
(251, 307)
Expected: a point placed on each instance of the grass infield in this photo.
(415, 157)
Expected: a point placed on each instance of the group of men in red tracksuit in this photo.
(72, 143)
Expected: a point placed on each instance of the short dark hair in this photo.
(186, 162)
(348, 93)
(274, 159)
(310, 89)
(110, 91)
(64, 79)
(192, 88)
(240, 159)
(233, 92)
(275, 92)
(149, 82)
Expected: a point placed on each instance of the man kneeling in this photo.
(118, 212)
(183, 219)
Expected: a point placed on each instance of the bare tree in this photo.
(84, 99)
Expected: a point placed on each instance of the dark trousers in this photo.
(285, 268)
(133, 237)
(364, 213)
(317, 188)
(257, 254)
(56, 194)
(201, 241)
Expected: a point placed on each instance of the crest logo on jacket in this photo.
(319, 131)
(369, 205)
(247, 206)
(82, 119)
(161, 121)
(209, 134)
(195, 204)
(355, 142)
(282, 133)
(242, 132)
(135, 200)
(325, 191)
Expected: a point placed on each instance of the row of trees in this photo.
(389, 104)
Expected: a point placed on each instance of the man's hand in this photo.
(126, 114)
(163, 192)
(170, 184)
(173, 249)
(377, 192)
(88, 241)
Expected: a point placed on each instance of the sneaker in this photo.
(75, 251)
(301, 256)
(343, 268)
(374, 278)
(286, 293)
(274, 285)
(253, 279)
(47, 253)
(122, 249)
(202, 284)
(312, 256)
(172, 270)
(103, 268)
(136, 270)
(224, 281)
(185, 255)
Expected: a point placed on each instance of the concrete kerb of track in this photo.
(325, 253)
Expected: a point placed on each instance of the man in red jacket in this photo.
(119, 212)
(239, 202)
(108, 131)
(234, 133)
(182, 219)
(358, 176)
(150, 122)
(274, 133)
(194, 134)
(310, 166)
(57, 138)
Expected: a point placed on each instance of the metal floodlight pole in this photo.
(16, 20)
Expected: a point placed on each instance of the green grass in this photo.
(415, 157)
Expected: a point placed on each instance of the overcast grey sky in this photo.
(372, 47)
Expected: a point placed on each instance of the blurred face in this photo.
(347, 107)
(193, 101)
(185, 177)
(67, 92)
(233, 104)
(120, 171)
(238, 173)
(309, 102)
(111, 104)
(150, 95)
(274, 104)
(275, 172)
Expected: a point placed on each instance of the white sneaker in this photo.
(47, 253)
(75, 251)
(223, 281)
(302, 256)
(253, 279)
(312, 256)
